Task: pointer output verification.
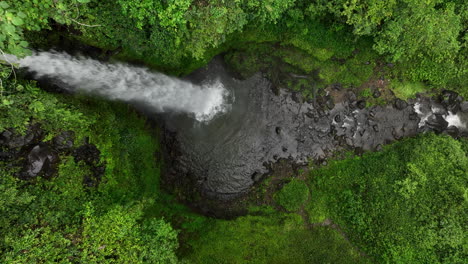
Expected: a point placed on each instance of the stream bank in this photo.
(213, 166)
(217, 162)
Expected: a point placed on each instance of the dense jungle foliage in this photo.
(405, 204)
(340, 41)
(63, 220)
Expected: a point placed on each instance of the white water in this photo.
(454, 120)
(129, 83)
(451, 118)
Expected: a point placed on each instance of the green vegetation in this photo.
(340, 40)
(16, 17)
(62, 220)
(293, 195)
(406, 204)
(123, 219)
(271, 237)
(406, 90)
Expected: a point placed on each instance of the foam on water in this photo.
(123, 82)
(454, 120)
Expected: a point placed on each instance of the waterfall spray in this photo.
(128, 83)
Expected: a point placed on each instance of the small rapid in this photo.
(118, 81)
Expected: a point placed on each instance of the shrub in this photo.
(406, 204)
(293, 195)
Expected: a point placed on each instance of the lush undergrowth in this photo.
(268, 236)
(344, 41)
(63, 220)
(405, 204)
(125, 218)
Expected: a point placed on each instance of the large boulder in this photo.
(400, 104)
(453, 131)
(40, 161)
(361, 104)
(464, 107)
(451, 100)
(12, 140)
(90, 155)
(437, 123)
(64, 141)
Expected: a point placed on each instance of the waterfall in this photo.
(118, 81)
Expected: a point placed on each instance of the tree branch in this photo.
(81, 24)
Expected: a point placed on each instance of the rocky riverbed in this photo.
(227, 156)
(224, 158)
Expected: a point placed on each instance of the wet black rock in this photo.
(297, 97)
(376, 94)
(6, 138)
(11, 139)
(337, 118)
(463, 134)
(361, 104)
(464, 107)
(256, 177)
(90, 155)
(329, 103)
(397, 134)
(337, 86)
(400, 104)
(437, 123)
(351, 96)
(413, 116)
(310, 115)
(451, 100)
(452, 131)
(41, 161)
(221, 156)
(6, 155)
(278, 130)
(64, 141)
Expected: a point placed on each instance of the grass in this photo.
(272, 237)
(293, 195)
(317, 209)
(407, 90)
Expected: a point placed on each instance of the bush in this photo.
(406, 204)
(293, 195)
(66, 220)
